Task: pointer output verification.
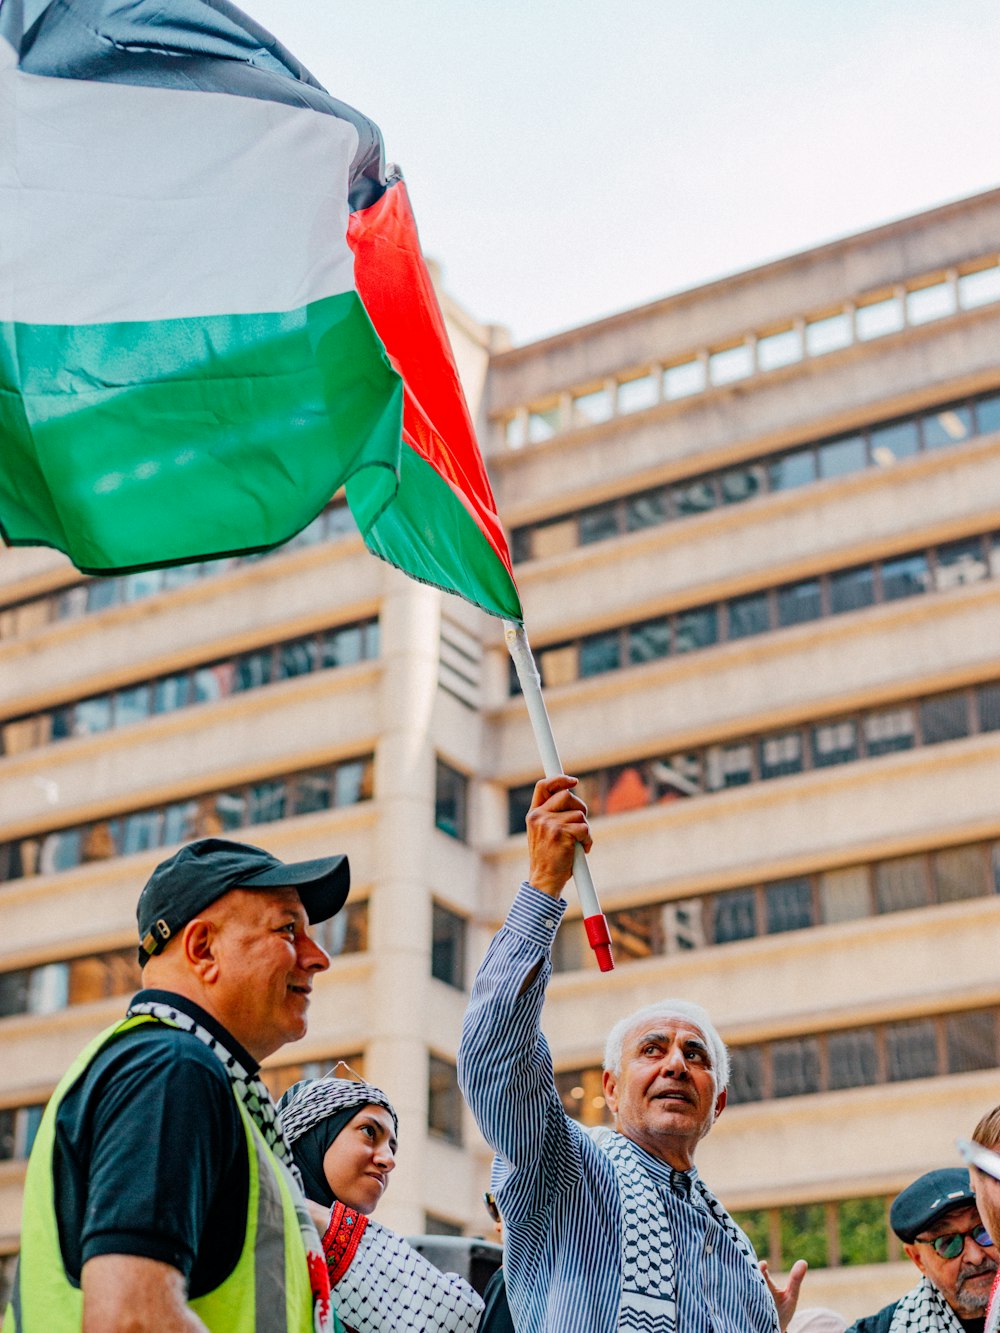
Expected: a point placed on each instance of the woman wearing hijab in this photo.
(343, 1136)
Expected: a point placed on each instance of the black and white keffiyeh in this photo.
(649, 1273)
(250, 1088)
(924, 1310)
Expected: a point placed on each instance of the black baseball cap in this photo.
(201, 872)
(929, 1198)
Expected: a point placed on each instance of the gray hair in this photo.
(684, 1009)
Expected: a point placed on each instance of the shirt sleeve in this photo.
(164, 1132)
(505, 1067)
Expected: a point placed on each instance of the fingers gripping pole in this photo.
(594, 921)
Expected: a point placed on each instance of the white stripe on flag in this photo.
(136, 203)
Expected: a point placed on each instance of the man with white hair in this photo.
(612, 1230)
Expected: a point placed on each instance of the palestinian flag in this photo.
(214, 311)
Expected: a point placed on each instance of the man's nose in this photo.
(312, 957)
(675, 1062)
(386, 1158)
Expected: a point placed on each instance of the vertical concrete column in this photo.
(400, 911)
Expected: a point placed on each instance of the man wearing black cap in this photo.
(161, 1193)
(937, 1221)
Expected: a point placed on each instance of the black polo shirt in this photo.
(150, 1154)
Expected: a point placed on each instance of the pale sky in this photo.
(570, 158)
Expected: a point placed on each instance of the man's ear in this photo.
(913, 1253)
(610, 1082)
(200, 941)
(720, 1103)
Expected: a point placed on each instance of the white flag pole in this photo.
(594, 921)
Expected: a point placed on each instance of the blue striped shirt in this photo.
(556, 1189)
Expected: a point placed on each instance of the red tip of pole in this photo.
(599, 939)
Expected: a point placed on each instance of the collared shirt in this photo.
(556, 1190)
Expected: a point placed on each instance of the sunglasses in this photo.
(952, 1245)
(491, 1206)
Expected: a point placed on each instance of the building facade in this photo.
(757, 535)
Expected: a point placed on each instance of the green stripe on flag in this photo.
(141, 443)
(429, 534)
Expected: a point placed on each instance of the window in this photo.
(749, 615)
(904, 577)
(803, 1234)
(889, 730)
(746, 1074)
(634, 395)
(979, 288)
(734, 363)
(879, 318)
(779, 349)
(795, 1067)
(600, 653)
(650, 641)
(944, 718)
(451, 799)
(851, 589)
(730, 766)
(959, 873)
(780, 755)
(901, 884)
(646, 510)
(863, 1234)
(852, 1058)
(988, 702)
(948, 427)
(598, 524)
(889, 443)
(696, 497)
(845, 895)
(695, 629)
(799, 602)
(440, 1226)
(839, 458)
(911, 1050)
(742, 483)
(734, 916)
(829, 334)
(448, 932)
(971, 1040)
(444, 1101)
(591, 408)
(988, 414)
(834, 743)
(797, 469)
(960, 562)
(684, 379)
(929, 303)
(788, 905)
(543, 424)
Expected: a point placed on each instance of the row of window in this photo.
(19, 1124)
(51, 987)
(97, 594)
(827, 1235)
(879, 445)
(843, 740)
(220, 812)
(921, 300)
(341, 646)
(848, 893)
(859, 1057)
(933, 570)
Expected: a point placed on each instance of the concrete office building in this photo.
(757, 528)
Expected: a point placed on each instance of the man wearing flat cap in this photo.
(161, 1194)
(937, 1220)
